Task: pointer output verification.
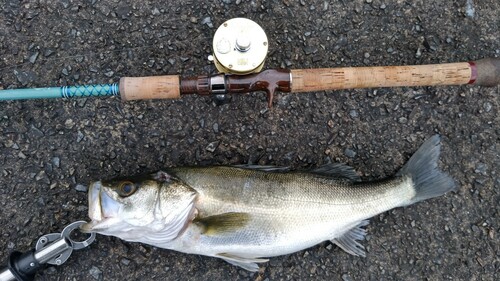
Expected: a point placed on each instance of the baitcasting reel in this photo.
(239, 47)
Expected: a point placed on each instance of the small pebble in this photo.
(36, 132)
(207, 21)
(79, 136)
(65, 3)
(475, 228)
(56, 161)
(34, 57)
(418, 53)
(21, 77)
(211, 147)
(40, 175)
(325, 5)
(95, 272)
(81, 188)
(487, 106)
(310, 50)
(51, 270)
(349, 153)
(481, 168)
(69, 123)
(346, 277)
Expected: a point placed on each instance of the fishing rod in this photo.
(239, 51)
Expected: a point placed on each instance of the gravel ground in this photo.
(51, 149)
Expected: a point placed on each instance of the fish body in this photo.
(244, 214)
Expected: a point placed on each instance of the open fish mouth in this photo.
(103, 209)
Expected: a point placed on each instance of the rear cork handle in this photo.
(154, 87)
(485, 72)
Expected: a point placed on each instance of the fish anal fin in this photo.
(246, 263)
(349, 240)
(222, 223)
(338, 171)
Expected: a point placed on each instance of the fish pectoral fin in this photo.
(222, 223)
(337, 171)
(348, 241)
(249, 264)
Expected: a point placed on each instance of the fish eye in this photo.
(127, 188)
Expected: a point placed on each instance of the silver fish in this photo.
(245, 214)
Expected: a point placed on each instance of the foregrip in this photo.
(153, 87)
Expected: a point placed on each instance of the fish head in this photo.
(131, 208)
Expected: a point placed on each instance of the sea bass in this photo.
(245, 214)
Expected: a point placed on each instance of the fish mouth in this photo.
(103, 210)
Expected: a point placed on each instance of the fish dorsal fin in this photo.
(266, 168)
(249, 264)
(337, 170)
(222, 223)
(348, 241)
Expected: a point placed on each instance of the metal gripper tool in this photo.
(53, 248)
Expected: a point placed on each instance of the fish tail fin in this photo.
(428, 180)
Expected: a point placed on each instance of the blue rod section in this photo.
(83, 91)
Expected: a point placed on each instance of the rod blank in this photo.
(96, 90)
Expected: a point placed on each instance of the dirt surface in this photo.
(50, 150)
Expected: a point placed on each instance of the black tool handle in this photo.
(20, 267)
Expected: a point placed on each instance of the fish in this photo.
(247, 214)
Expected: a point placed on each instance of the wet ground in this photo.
(51, 149)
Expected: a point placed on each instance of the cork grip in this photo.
(154, 87)
(310, 80)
